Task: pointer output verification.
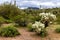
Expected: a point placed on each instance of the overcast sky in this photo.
(35, 3)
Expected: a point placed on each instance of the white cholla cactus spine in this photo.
(38, 26)
(47, 16)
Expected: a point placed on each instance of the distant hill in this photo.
(32, 8)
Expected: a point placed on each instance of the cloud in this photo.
(2, 1)
(35, 3)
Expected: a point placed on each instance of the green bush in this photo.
(57, 30)
(2, 20)
(9, 11)
(29, 26)
(20, 19)
(43, 33)
(9, 31)
(8, 21)
(16, 25)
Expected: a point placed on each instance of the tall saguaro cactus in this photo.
(14, 2)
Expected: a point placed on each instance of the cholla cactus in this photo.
(38, 26)
(47, 17)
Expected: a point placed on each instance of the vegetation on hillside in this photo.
(12, 13)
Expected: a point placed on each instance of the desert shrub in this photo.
(43, 33)
(37, 18)
(30, 19)
(8, 21)
(9, 11)
(57, 30)
(9, 31)
(58, 19)
(21, 22)
(29, 26)
(21, 19)
(16, 25)
(2, 20)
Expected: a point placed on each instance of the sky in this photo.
(35, 3)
